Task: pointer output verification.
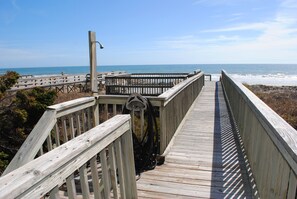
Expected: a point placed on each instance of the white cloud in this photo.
(191, 42)
(272, 41)
(235, 17)
(292, 4)
(240, 27)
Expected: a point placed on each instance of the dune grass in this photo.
(282, 99)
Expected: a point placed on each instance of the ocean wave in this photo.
(277, 79)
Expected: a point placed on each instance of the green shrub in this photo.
(19, 115)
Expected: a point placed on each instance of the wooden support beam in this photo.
(93, 63)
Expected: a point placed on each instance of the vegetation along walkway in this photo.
(205, 158)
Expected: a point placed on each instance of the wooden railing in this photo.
(270, 142)
(148, 84)
(62, 83)
(48, 81)
(101, 76)
(59, 124)
(63, 122)
(171, 106)
(159, 74)
(92, 164)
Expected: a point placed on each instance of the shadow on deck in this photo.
(206, 158)
(230, 161)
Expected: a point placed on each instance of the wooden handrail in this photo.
(48, 125)
(62, 122)
(147, 84)
(32, 144)
(171, 93)
(177, 102)
(46, 81)
(72, 106)
(270, 142)
(48, 172)
(177, 99)
(30, 81)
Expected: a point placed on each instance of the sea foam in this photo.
(278, 79)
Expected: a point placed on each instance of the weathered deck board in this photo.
(205, 159)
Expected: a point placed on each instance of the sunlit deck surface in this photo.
(205, 159)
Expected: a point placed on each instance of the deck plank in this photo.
(205, 159)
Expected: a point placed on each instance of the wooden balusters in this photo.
(49, 142)
(270, 142)
(120, 166)
(57, 135)
(71, 188)
(95, 178)
(113, 170)
(78, 122)
(84, 183)
(105, 174)
(55, 173)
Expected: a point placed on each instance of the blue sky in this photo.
(55, 32)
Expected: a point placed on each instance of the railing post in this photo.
(93, 72)
(96, 112)
(163, 137)
(129, 174)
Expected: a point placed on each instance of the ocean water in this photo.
(269, 74)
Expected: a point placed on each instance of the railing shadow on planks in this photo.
(269, 141)
(61, 123)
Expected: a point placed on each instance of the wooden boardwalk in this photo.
(205, 159)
